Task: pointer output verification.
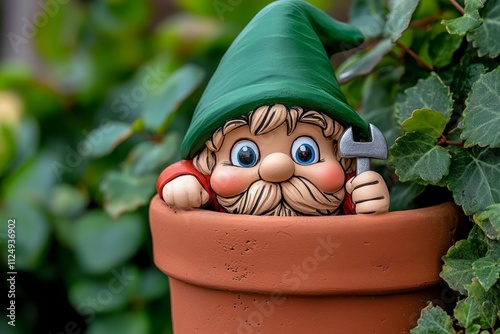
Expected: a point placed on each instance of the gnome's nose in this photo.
(276, 167)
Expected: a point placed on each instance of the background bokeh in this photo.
(95, 97)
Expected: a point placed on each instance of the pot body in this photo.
(331, 274)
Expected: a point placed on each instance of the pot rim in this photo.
(355, 254)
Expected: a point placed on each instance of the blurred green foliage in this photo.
(81, 145)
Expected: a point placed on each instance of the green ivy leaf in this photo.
(464, 76)
(151, 158)
(430, 93)
(485, 38)
(363, 62)
(32, 235)
(473, 178)
(368, 16)
(379, 96)
(27, 142)
(106, 138)
(425, 121)
(481, 122)
(457, 269)
(443, 47)
(402, 195)
(470, 20)
(25, 184)
(474, 329)
(493, 249)
(132, 322)
(124, 192)
(153, 285)
(467, 313)
(167, 98)
(353, 91)
(489, 221)
(7, 145)
(488, 301)
(399, 18)
(64, 230)
(416, 157)
(109, 293)
(67, 201)
(488, 315)
(487, 271)
(433, 320)
(102, 244)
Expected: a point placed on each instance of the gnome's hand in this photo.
(369, 193)
(184, 192)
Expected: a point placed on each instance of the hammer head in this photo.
(375, 148)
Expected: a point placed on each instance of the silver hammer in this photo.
(363, 151)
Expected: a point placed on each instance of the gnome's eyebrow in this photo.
(233, 124)
(314, 118)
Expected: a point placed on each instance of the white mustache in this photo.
(295, 197)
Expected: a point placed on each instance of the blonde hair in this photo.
(266, 119)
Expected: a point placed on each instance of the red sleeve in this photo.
(348, 208)
(185, 167)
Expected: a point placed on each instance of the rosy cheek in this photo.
(328, 177)
(228, 182)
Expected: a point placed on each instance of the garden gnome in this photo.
(264, 137)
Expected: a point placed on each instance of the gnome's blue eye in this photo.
(305, 151)
(244, 153)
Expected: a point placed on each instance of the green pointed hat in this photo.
(282, 56)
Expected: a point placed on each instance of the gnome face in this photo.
(279, 161)
(265, 173)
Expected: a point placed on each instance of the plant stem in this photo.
(443, 140)
(426, 20)
(415, 56)
(455, 143)
(155, 139)
(458, 6)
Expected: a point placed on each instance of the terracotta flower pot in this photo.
(332, 274)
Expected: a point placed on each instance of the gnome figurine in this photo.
(264, 137)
